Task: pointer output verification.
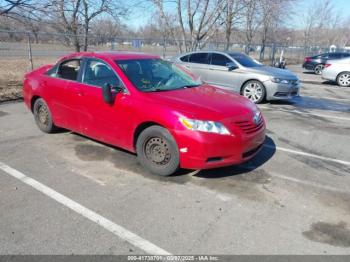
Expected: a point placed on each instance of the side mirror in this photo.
(231, 66)
(108, 94)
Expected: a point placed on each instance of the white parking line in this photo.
(296, 180)
(309, 183)
(305, 113)
(343, 162)
(117, 230)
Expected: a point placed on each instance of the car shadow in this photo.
(304, 103)
(265, 154)
(330, 83)
(128, 161)
(309, 73)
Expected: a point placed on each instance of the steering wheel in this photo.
(164, 81)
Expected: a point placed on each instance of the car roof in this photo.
(337, 53)
(211, 51)
(114, 55)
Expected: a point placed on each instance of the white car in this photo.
(337, 71)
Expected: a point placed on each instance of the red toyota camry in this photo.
(146, 105)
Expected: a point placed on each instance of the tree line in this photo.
(187, 24)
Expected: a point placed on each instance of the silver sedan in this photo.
(337, 71)
(242, 74)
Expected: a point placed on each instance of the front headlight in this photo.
(204, 126)
(279, 80)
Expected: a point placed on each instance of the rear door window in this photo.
(199, 58)
(334, 56)
(69, 69)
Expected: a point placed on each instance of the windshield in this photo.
(245, 60)
(149, 75)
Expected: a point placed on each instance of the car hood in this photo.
(204, 102)
(275, 72)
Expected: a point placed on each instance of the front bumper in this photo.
(199, 150)
(278, 91)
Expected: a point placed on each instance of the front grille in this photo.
(293, 82)
(214, 159)
(280, 94)
(249, 127)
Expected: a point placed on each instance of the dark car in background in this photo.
(316, 63)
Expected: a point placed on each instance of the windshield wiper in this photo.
(156, 90)
(188, 86)
(170, 89)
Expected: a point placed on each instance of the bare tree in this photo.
(197, 20)
(231, 15)
(251, 21)
(169, 28)
(319, 22)
(7, 6)
(273, 15)
(74, 17)
(94, 8)
(68, 12)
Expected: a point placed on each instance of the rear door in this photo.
(64, 94)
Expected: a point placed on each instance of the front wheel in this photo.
(157, 151)
(318, 69)
(254, 91)
(343, 79)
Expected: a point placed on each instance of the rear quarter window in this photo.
(52, 71)
(185, 58)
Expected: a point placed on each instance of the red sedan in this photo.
(145, 105)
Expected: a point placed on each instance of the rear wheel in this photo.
(318, 69)
(43, 117)
(343, 79)
(254, 91)
(157, 151)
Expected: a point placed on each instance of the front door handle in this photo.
(80, 93)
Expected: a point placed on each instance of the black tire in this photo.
(318, 69)
(343, 79)
(43, 117)
(157, 151)
(250, 85)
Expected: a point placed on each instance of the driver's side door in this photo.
(100, 120)
(219, 74)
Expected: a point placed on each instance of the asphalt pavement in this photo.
(67, 194)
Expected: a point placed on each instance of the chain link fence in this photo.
(23, 51)
(38, 45)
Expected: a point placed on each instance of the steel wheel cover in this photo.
(157, 151)
(43, 115)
